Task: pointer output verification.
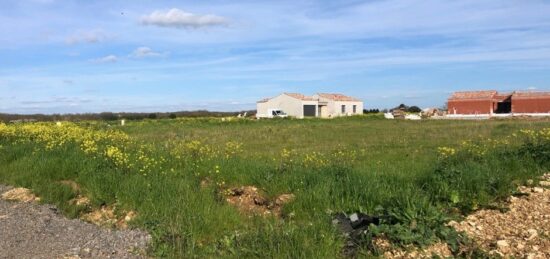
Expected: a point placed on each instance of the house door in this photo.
(504, 107)
(309, 110)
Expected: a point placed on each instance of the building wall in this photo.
(531, 105)
(334, 108)
(295, 107)
(470, 107)
(290, 105)
(261, 109)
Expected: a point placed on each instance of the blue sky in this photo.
(91, 56)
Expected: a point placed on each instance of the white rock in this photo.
(538, 190)
(502, 243)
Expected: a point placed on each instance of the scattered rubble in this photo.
(439, 249)
(106, 217)
(523, 231)
(388, 116)
(248, 199)
(80, 201)
(433, 112)
(21, 195)
(414, 117)
(398, 113)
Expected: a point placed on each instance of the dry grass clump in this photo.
(21, 195)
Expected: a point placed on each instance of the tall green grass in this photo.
(374, 166)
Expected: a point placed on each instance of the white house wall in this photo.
(336, 108)
(261, 108)
(287, 104)
(295, 107)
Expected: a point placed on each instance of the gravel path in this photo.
(30, 230)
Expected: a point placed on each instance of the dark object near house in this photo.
(354, 227)
(414, 109)
(365, 111)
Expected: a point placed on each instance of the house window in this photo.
(355, 109)
(343, 109)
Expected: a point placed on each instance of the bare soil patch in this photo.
(250, 200)
(106, 217)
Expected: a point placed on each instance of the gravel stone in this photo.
(30, 230)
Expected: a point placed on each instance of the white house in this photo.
(319, 105)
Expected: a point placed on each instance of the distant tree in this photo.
(414, 109)
(108, 116)
(152, 116)
(172, 116)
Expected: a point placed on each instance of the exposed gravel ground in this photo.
(521, 232)
(30, 230)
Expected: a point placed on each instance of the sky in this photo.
(152, 55)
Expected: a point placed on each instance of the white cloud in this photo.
(90, 36)
(177, 18)
(106, 59)
(146, 52)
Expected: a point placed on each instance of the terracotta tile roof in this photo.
(338, 97)
(530, 94)
(300, 97)
(503, 96)
(490, 94)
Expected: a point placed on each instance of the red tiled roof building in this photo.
(471, 102)
(490, 102)
(531, 102)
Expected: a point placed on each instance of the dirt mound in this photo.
(248, 199)
(20, 194)
(106, 217)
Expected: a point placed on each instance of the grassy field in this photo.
(175, 175)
